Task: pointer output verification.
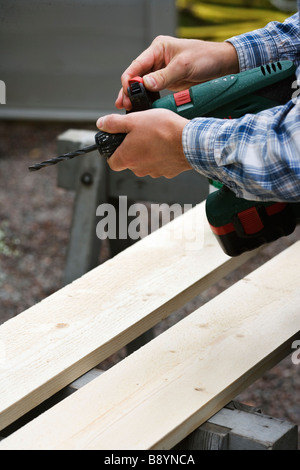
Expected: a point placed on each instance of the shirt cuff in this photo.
(255, 49)
(203, 140)
(276, 41)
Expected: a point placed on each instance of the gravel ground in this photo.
(35, 218)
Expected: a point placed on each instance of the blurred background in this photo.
(62, 59)
(217, 20)
(61, 62)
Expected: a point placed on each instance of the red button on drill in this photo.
(135, 79)
(182, 97)
(250, 221)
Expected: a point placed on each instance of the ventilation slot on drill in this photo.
(267, 69)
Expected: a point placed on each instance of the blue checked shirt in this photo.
(257, 156)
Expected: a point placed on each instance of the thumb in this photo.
(113, 124)
(163, 78)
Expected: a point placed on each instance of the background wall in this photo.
(62, 59)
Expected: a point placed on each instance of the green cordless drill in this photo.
(239, 225)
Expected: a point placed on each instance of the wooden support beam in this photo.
(241, 427)
(84, 245)
(158, 395)
(54, 342)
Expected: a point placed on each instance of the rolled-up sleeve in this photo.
(257, 155)
(277, 41)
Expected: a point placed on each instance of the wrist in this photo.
(230, 58)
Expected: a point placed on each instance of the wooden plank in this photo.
(54, 342)
(158, 395)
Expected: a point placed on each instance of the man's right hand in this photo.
(177, 64)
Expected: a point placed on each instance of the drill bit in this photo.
(105, 143)
(66, 156)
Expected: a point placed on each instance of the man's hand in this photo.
(153, 143)
(177, 64)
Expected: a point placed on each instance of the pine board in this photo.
(54, 342)
(163, 391)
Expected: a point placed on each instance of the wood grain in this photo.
(54, 342)
(163, 391)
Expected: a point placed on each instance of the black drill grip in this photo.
(108, 143)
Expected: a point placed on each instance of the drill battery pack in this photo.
(241, 225)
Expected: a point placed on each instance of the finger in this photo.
(115, 163)
(149, 59)
(139, 67)
(127, 103)
(123, 101)
(119, 100)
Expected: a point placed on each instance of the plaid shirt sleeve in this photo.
(257, 156)
(277, 41)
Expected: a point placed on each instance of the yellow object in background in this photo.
(218, 20)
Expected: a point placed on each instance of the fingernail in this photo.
(150, 81)
(99, 123)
